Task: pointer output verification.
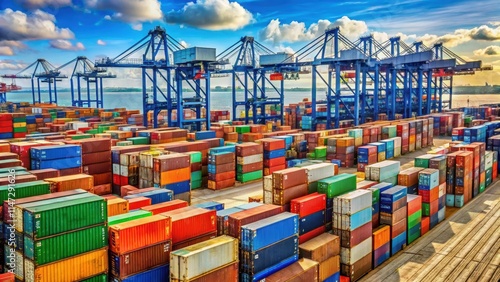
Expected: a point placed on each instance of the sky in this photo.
(61, 30)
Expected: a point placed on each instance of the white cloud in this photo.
(286, 49)
(488, 51)
(136, 26)
(66, 45)
(184, 44)
(101, 42)
(130, 11)
(16, 25)
(460, 36)
(495, 23)
(211, 15)
(6, 51)
(297, 31)
(12, 65)
(36, 4)
(107, 17)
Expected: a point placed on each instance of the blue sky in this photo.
(60, 30)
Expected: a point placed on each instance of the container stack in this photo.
(345, 151)
(198, 263)
(488, 166)
(463, 178)
(418, 134)
(381, 244)
(325, 250)
(71, 182)
(49, 249)
(173, 172)
(96, 159)
(276, 247)
(289, 184)
(403, 131)
(439, 163)
(425, 133)
(412, 136)
(386, 171)
(128, 169)
(393, 213)
(221, 169)
(247, 216)
(476, 150)
(202, 222)
(133, 256)
(303, 269)
(60, 157)
(428, 188)
(475, 134)
(430, 132)
(414, 211)
(311, 210)
(367, 155)
(249, 159)
(332, 187)
(458, 134)
(146, 174)
(19, 125)
(155, 194)
(352, 214)
(389, 131)
(274, 155)
(357, 134)
(389, 148)
(196, 180)
(482, 166)
(380, 150)
(6, 126)
(409, 179)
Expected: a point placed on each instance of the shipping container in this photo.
(133, 215)
(302, 270)
(227, 273)
(321, 247)
(237, 220)
(165, 207)
(201, 221)
(160, 273)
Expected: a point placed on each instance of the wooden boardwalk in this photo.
(464, 247)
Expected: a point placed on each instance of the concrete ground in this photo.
(241, 192)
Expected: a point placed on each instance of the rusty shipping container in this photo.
(93, 145)
(93, 158)
(71, 182)
(45, 173)
(289, 177)
(171, 162)
(283, 197)
(237, 220)
(321, 247)
(227, 273)
(136, 234)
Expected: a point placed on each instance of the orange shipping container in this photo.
(381, 236)
(75, 268)
(135, 234)
(71, 182)
(117, 206)
(174, 176)
(165, 207)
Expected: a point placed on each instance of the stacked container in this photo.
(463, 178)
(22, 149)
(428, 188)
(425, 133)
(275, 247)
(221, 170)
(274, 155)
(345, 151)
(324, 249)
(367, 155)
(96, 159)
(71, 182)
(173, 172)
(197, 262)
(6, 126)
(476, 166)
(430, 132)
(19, 125)
(389, 148)
(249, 159)
(393, 213)
(386, 171)
(414, 211)
(133, 255)
(146, 174)
(409, 178)
(439, 163)
(352, 214)
(289, 184)
(155, 194)
(381, 244)
(60, 157)
(412, 135)
(311, 210)
(397, 146)
(418, 134)
(196, 173)
(357, 134)
(403, 131)
(49, 252)
(482, 166)
(316, 172)
(488, 166)
(381, 149)
(302, 270)
(128, 169)
(202, 222)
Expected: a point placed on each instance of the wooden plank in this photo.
(496, 275)
(489, 273)
(464, 275)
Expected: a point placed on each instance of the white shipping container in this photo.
(124, 170)
(198, 259)
(116, 169)
(384, 170)
(250, 159)
(397, 151)
(352, 202)
(317, 172)
(442, 190)
(397, 141)
(368, 172)
(352, 255)
(488, 160)
(268, 197)
(268, 183)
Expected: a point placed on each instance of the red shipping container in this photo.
(70, 171)
(414, 204)
(249, 149)
(311, 234)
(429, 196)
(93, 145)
(102, 178)
(7, 277)
(200, 221)
(273, 144)
(222, 176)
(136, 234)
(274, 162)
(309, 204)
(237, 220)
(349, 239)
(228, 273)
(94, 158)
(271, 170)
(18, 179)
(251, 167)
(117, 179)
(434, 206)
(102, 189)
(166, 207)
(10, 163)
(289, 177)
(193, 241)
(97, 168)
(45, 173)
(217, 185)
(425, 225)
(137, 203)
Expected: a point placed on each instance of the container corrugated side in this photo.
(195, 260)
(237, 220)
(103, 277)
(227, 273)
(26, 189)
(352, 202)
(140, 260)
(201, 221)
(160, 273)
(117, 206)
(65, 245)
(72, 269)
(320, 171)
(302, 270)
(135, 234)
(353, 254)
(70, 215)
(70, 182)
(255, 262)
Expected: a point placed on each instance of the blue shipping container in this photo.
(334, 278)
(393, 194)
(177, 188)
(354, 221)
(161, 273)
(222, 149)
(270, 230)
(201, 135)
(274, 154)
(255, 262)
(398, 242)
(56, 152)
(64, 163)
(245, 277)
(156, 196)
(210, 206)
(311, 222)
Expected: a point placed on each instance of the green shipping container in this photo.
(375, 195)
(311, 155)
(423, 161)
(393, 180)
(98, 278)
(414, 219)
(16, 168)
(62, 246)
(482, 186)
(337, 185)
(195, 157)
(19, 129)
(124, 143)
(412, 237)
(139, 140)
(320, 152)
(92, 131)
(81, 136)
(312, 187)
(38, 222)
(121, 218)
(249, 176)
(242, 129)
(19, 119)
(426, 209)
(23, 190)
(196, 175)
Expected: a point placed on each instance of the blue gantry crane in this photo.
(43, 72)
(84, 71)
(165, 67)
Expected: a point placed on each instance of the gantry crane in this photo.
(4, 88)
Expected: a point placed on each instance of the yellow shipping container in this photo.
(19, 124)
(117, 206)
(72, 269)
